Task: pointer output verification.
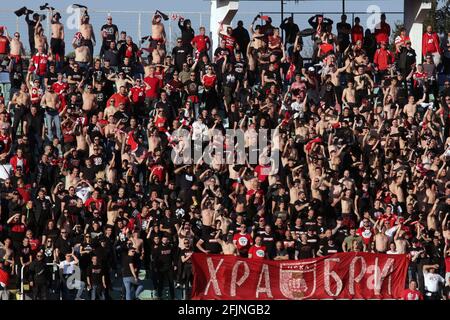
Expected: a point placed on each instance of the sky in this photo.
(196, 10)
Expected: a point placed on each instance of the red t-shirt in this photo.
(4, 277)
(40, 61)
(24, 193)
(366, 234)
(409, 294)
(357, 34)
(243, 241)
(158, 171)
(263, 172)
(6, 140)
(325, 48)
(430, 43)
(119, 99)
(59, 88)
(229, 42)
(383, 58)
(257, 252)
(137, 94)
(35, 95)
(209, 81)
(99, 203)
(200, 42)
(152, 91)
(4, 42)
(160, 123)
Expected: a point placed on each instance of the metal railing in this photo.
(137, 24)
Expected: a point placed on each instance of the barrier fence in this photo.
(137, 24)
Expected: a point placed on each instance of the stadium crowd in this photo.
(89, 190)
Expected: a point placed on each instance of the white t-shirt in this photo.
(67, 267)
(432, 281)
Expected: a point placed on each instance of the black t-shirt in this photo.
(164, 257)
(184, 253)
(305, 251)
(52, 77)
(239, 69)
(127, 69)
(97, 74)
(35, 122)
(111, 31)
(210, 243)
(180, 55)
(126, 261)
(95, 273)
(192, 87)
(89, 173)
(220, 53)
(76, 75)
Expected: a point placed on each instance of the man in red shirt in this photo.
(382, 30)
(137, 97)
(357, 31)
(97, 201)
(383, 60)
(201, 42)
(120, 98)
(60, 88)
(401, 40)
(230, 41)
(40, 61)
(366, 232)
(412, 293)
(4, 43)
(242, 241)
(152, 86)
(431, 45)
(257, 251)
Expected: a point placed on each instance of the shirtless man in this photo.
(89, 99)
(138, 243)
(17, 50)
(158, 32)
(22, 101)
(349, 94)
(111, 109)
(396, 186)
(400, 242)
(411, 107)
(87, 32)
(57, 40)
(381, 239)
(228, 247)
(50, 102)
(335, 72)
(208, 212)
(40, 40)
(158, 54)
(82, 54)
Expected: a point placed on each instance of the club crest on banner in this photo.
(298, 280)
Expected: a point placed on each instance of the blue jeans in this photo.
(97, 291)
(52, 118)
(129, 283)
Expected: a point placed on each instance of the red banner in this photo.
(354, 275)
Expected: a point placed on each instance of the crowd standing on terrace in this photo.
(90, 191)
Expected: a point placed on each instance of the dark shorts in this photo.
(57, 46)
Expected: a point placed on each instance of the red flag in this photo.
(349, 275)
